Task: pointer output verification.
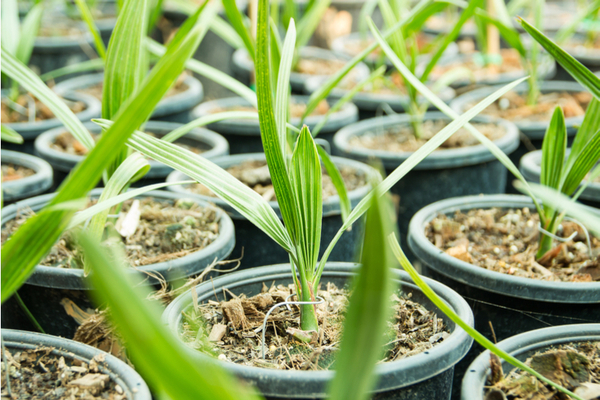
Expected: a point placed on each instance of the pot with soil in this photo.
(531, 169)
(17, 116)
(43, 366)
(484, 247)
(532, 121)
(388, 90)
(569, 355)
(461, 166)
(186, 93)
(252, 243)
(213, 50)
(351, 45)
(419, 365)
(313, 61)
(64, 152)
(23, 176)
(59, 45)
(244, 135)
(176, 237)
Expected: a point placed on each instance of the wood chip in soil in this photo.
(506, 241)
(513, 106)
(255, 174)
(13, 172)
(38, 374)
(231, 330)
(575, 366)
(164, 231)
(10, 114)
(401, 138)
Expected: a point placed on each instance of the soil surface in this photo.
(13, 172)
(38, 374)
(66, 143)
(318, 66)
(355, 46)
(401, 138)
(506, 241)
(296, 109)
(162, 231)
(511, 62)
(513, 106)
(255, 174)
(231, 330)
(575, 366)
(20, 113)
(178, 87)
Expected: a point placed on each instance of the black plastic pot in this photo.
(531, 169)
(244, 135)
(258, 248)
(423, 376)
(512, 304)
(522, 347)
(122, 374)
(370, 104)
(340, 46)
(534, 131)
(546, 70)
(62, 163)
(443, 174)
(53, 294)
(174, 108)
(31, 130)
(30, 185)
(243, 66)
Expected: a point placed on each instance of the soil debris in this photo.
(13, 172)
(511, 62)
(506, 241)
(296, 109)
(231, 330)
(18, 111)
(401, 138)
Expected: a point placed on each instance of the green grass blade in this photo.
(348, 97)
(222, 29)
(553, 150)
(268, 127)
(89, 212)
(306, 183)
(245, 200)
(450, 37)
(443, 107)
(577, 70)
(369, 309)
(236, 20)
(10, 135)
(282, 95)
(479, 338)
(417, 22)
(310, 20)
(29, 30)
(335, 79)
(84, 66)
(34, 239)
(338, 182)
(509, 33)
(582, 164)
(276, 47)
(86, 15)
(33, 84)
(589, 126)
(413, 160)
(211, 73)
(11, 26)
(366, 10)
(125, 67)
(159, 356)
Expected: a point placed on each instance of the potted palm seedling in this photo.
(184, 236)
(516, 276)
(462, 166)
(22, 112)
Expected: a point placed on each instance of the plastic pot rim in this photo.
(29, 185)
(439, 159)
(482, 278)
(414, 368)
(72, 278)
